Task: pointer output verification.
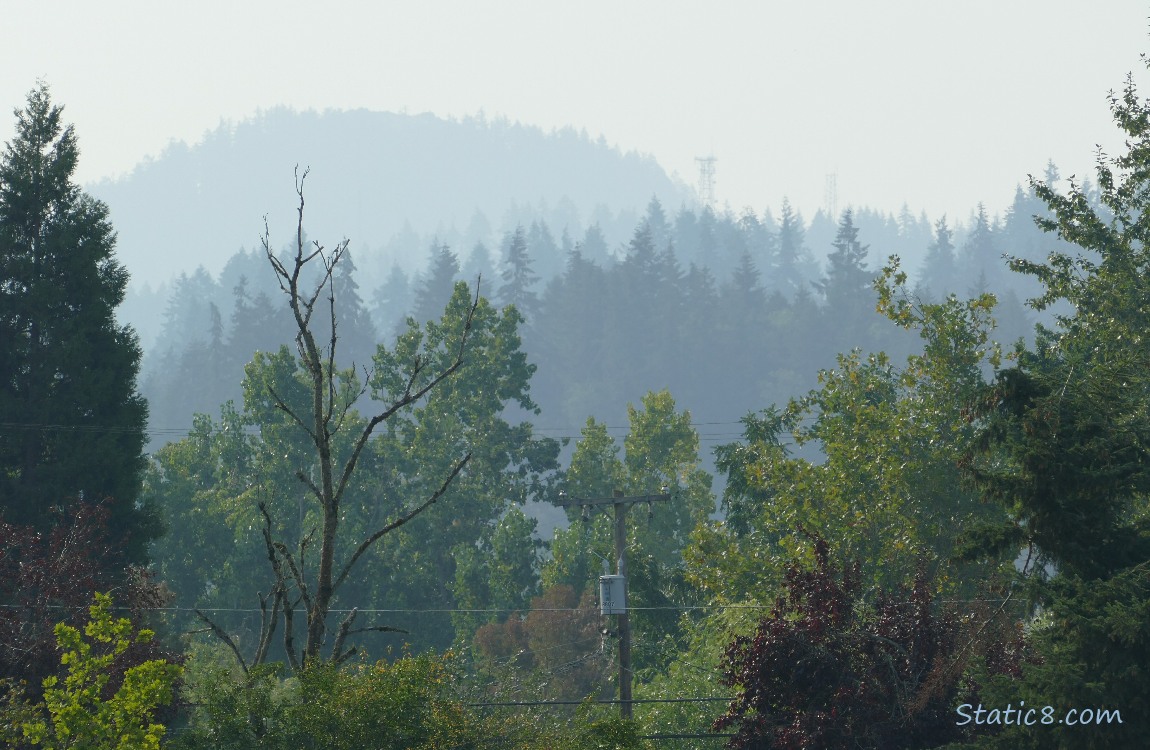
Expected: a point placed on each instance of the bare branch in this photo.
(267, 625)
(338, 658)
(296, 574)
(366, 544)
(223, 636)
(310, 485)
(409, 396)
(330, 409)
(289, 632)
(341, 635)
(282, 406)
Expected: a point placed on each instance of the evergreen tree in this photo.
(847, 289)
(544, 252)
(438, 286)
(480, 268)
(981, 257)
(594, 247)
(356, 331)
(255, 326)
(656, 221)
(939, 270)
(392, 301)
(1062, 452)
(788, 274)
(74, 421)
(518, 276)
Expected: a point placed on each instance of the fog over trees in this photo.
(877, 469)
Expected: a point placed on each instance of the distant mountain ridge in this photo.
(373, 175)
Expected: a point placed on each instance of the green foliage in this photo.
(406, 704)
(1062, 451)
(661, 455)
(883, 483)
(78, 713)
(67, 368)
(210, 483)
(603, 734)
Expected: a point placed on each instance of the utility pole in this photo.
(621, 505)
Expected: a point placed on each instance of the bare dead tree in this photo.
(322, 422)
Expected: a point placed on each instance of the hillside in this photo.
(373, 176)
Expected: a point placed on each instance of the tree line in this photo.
(944, 516)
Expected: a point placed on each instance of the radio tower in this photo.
(831, 196)
(707, 179)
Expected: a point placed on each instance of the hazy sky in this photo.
(939, 105)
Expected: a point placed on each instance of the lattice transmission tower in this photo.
(707, 179)
(831, 196)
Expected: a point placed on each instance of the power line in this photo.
(524, 611)
(608, 702)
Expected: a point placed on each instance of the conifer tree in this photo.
(518, 276)
(788, 274)
(939, 270)
(73, 420)
(437, 286)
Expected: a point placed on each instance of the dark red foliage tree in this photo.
(50, 577)
(828, 669)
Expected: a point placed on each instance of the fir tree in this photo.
(436, 289)
(74, 421)
(939, 270)
(518, 276)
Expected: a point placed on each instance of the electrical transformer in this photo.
(612, 595)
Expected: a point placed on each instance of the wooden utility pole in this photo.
(621, 505)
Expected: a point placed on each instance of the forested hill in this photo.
(374, 174)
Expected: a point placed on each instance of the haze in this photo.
(936, 106)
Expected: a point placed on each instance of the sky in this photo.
(935, 105)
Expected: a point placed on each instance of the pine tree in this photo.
(73, 420)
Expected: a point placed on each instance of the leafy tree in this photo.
(661, 455)
(885, 486)
(80, 712)
(831, 667)
(408, 703)
(500, 573)
(215, 482)
(314, 402)
(74, 423)
(555, 647)
(46, 577)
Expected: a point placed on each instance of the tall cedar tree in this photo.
(73, 420)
